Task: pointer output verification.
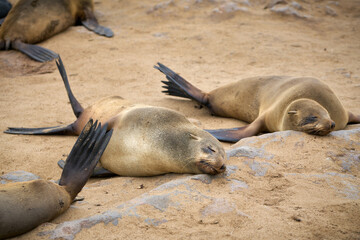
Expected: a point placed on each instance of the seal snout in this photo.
(206, 167)
(212, 161)
(332, 125)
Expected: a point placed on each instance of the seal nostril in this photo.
(332, 125)
(223, 167)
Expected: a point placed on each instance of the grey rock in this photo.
(18, 176)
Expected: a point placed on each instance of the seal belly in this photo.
(40, 200)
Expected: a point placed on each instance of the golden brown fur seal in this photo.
(25, 205)
(33, 21)
(273, 103)
(147, 140)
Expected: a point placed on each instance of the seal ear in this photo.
(292, 112)
(194, 137)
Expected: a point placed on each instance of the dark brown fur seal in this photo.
(25, 205)
(274, 103)
(147, 140)
(33, 21)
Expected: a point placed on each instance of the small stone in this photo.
(330, 11)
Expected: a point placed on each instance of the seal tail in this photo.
(179, 87)
(58, 130)
(84, 156)
(35, 52)
(76, 106)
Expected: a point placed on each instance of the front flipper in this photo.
(98, 171)
(227, 135)
(91, 23)
(35, 52)
(235, 134)
(58, 130)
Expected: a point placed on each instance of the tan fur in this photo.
(33, 21)
(269, 99)
(149, 141)
(41, 200)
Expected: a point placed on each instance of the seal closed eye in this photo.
(25, 205)
(146, 141)
(30, 22)
(269, 104)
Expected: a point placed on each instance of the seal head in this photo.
(308, 116)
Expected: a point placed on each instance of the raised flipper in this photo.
(91, 23)
(58, 130)
(235, 134)
(353, 118)
(179, 87)
(98, 171)
(76, 106)
(84, 156)
(35, 52)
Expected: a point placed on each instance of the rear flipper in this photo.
(92, 24)
(98, 171)
(58, 130)
(76, 106)
(235, 134)
(35, 52)
(84, 156)
(179, 87)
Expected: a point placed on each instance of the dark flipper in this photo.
(76, 106)
(58, 130)
(5, 7)
(91, 23)
(98, 171)
(235, 134)
(35, 52)
(84, 156)
(227, 135)
(179, 87)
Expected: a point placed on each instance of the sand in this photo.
(298, 187)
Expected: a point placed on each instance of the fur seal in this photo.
(25, 205)
(269, 104)
(33, 21)
(146, 141)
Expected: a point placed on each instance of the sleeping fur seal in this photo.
(33, 21)
(147, 140)
(274, 103)
(25, 205)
